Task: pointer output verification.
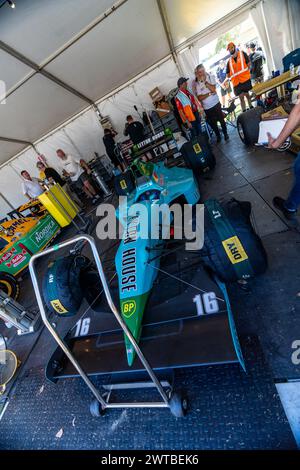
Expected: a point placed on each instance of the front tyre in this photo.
(9, 285)
(248, 125)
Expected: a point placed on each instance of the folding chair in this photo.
(229, 113)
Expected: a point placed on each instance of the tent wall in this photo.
(10, 185)
(122, 103)
(38, 105)
(7, 148)
(277, 22)
(89, 51)
(189, 58)
(188, 17)
(83, 136)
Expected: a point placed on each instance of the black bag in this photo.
(291, 58)
(124, 183)
(198, 155)
(232, 249)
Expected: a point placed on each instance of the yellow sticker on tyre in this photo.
(234, 250)
(123, 184)
(7, 285)
(58, 306)
(128, 308)
(197, 148)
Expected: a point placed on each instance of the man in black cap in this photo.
(257, 60)
(188, 107)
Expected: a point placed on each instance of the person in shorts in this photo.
(78, 170)
(238, 72)
(257, 60)
(225, 87)
(204, 88)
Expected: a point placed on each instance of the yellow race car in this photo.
(20, 238)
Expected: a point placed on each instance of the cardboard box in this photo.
(156, 94)
(160, 106)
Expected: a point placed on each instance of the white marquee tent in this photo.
(64, 61)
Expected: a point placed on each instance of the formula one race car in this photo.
(19, 239)
(149, 267)
(138, 257)
(32, 208)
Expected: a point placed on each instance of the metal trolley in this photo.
(170, 399)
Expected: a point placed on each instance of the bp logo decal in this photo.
(128, 308)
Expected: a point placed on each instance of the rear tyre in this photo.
(9, 285)
(124, 183)
(62, 291)
(214, 255)
(91, 286)
(248, 125)
(198, 155)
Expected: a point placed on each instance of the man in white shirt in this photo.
(76, 168)
(204, 87)
(32, 187)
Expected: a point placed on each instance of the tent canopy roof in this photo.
(92, 46)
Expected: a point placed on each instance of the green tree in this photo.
(226, 38)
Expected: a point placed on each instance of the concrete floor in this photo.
(271, 310)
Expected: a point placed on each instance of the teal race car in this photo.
(138, 256)
(173, 301)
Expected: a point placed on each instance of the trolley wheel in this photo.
(178, 405)
(96, 409)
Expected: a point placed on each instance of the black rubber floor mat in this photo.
(228, 410)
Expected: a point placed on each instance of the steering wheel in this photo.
(286, 145)
(283, 147)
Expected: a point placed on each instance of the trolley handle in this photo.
(61, 343)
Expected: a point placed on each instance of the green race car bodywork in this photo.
(23, 237)
(138, 255)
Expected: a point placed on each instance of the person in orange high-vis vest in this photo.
(238, 72)
(188, 107)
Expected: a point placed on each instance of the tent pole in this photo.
(267, 33)
(25, 60)
(290, 24)
(72, 143)
(165, 22)
(20, 141)
(7, 202)
(98, 113)
(14, 169)
(36, 150)
(15, 141)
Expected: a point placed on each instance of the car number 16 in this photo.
(206, 303)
